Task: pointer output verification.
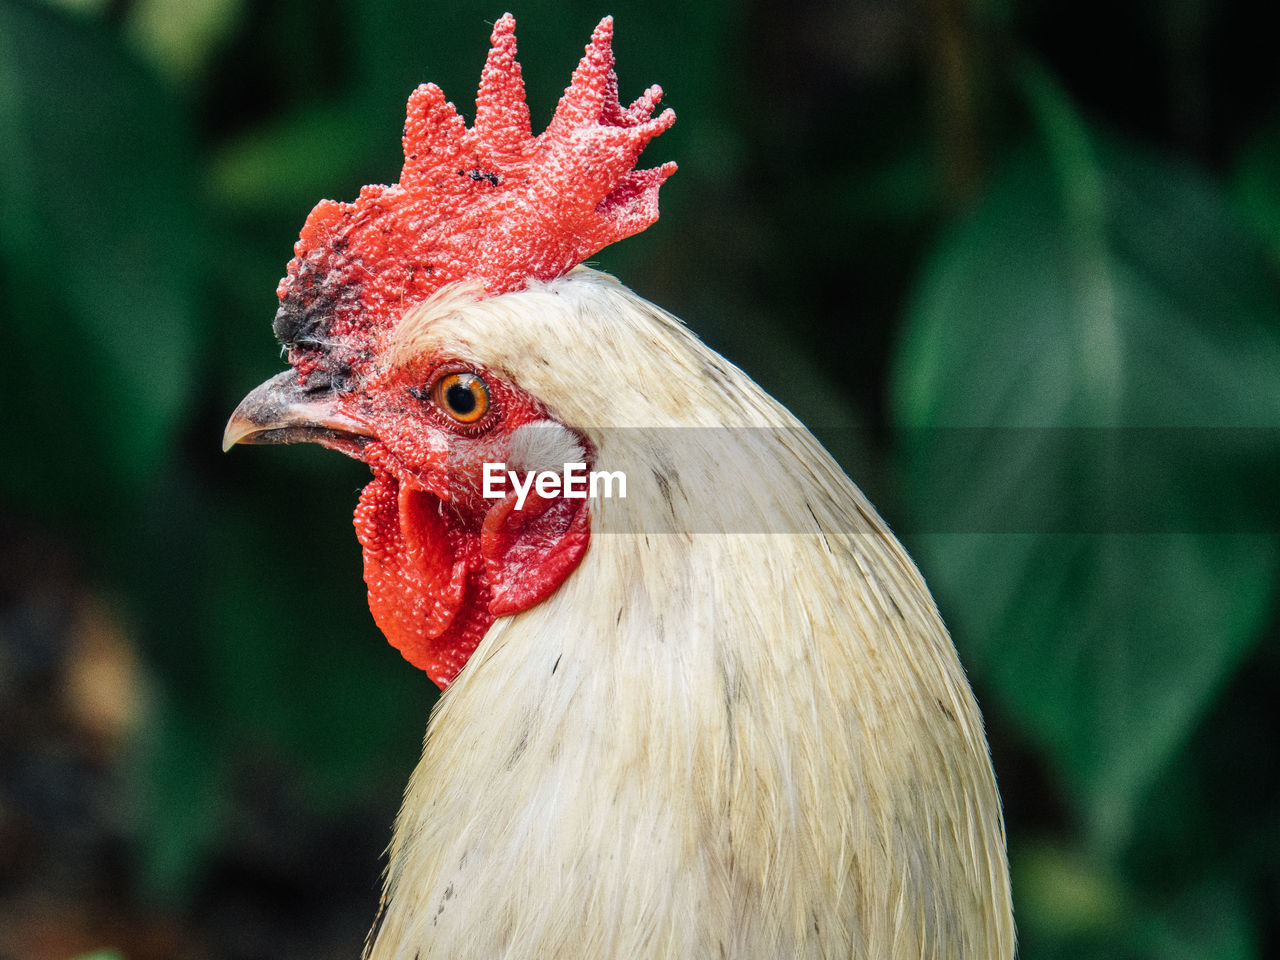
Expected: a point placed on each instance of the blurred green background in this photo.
(897, 216)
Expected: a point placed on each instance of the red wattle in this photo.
(529, 552)
(425, 577)
(436, 583)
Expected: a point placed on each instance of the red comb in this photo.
(490, 203)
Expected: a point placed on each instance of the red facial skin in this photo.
(442, 562)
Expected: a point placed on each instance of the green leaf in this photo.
(1064, 896)
(96, 258)
(1103, 581)
(322, 150)
(1255, 188)
(182, 45)
(266, 658)
(1072, 906)
(1209, 919)
(181, 779)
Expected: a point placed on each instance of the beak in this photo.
(282, 411)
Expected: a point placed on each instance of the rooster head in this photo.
(478, 212)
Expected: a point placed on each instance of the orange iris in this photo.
(463, 396)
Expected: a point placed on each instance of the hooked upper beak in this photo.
(282, 411)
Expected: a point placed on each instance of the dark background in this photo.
(910, 221)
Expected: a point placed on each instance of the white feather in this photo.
(543, 445)
(738, 730)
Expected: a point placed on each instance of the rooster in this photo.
(716, 717)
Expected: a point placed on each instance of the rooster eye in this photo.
(463, 396)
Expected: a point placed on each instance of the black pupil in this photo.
(460, 398)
